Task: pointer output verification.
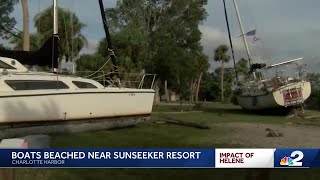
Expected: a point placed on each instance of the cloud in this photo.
(288, 30)
(213, 37)
(91, 46)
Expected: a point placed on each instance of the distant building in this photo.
(173, 96)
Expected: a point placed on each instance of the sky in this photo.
(288, 29)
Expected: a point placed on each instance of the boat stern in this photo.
(293, 94)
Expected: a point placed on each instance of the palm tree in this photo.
(25, 10)
(220, 54)
(71, 39)
(6, 21)
(203, 66)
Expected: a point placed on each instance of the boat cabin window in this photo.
(35, 84)
(84, 85)
(4, 65)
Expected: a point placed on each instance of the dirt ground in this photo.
(255, 135)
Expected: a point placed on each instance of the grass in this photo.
(155, 135)
(172, 108)
(217, 112)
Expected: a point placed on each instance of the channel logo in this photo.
(294, 159)
(286, 161)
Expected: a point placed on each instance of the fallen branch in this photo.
(187, 124)
(182, 123)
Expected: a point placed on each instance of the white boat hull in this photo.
(109, 108)
(66, 127)
(276, 98)
(70, 105)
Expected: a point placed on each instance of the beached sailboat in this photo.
(280, 85)
(40, 102)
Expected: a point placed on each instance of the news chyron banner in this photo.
(267, 158)
(108, 158)
(160, 158)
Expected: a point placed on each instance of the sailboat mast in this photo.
(230, 41)
(106, 30)
(55, 17)
(243, 36)
(55, 32)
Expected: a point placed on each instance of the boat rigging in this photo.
(109, 42)
(275, 92)
(42, 102)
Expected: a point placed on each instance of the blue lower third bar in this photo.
(297, 158)
(108, 158)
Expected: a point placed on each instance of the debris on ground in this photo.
(315, 117)
(290, 116)
(273, 133)
(159, 122)
(296, 113)
(171, 120)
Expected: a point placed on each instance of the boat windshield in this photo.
(4, 65)
(18, 85)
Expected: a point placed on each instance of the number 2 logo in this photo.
(296, 156)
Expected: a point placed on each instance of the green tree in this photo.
(220, 54)
(94, 66)
(314, 79)
(161, 37)
(209, 90)
(314, 100)
(177, 68)
(35, 41)
(71, 39)
(228, 81)
(241, 67)
(2, 47)
(129, 48)
(6, 22)
(202, 67)
(91, 62)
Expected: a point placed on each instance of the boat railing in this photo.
(293, 61)
(292, 70)
(126, 80)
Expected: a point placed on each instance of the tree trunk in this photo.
(194, 90)
(157, 94)
(7, 174)
(166, 90)
(191, 92)
(198, 87)
(222, 89)
(26, 43)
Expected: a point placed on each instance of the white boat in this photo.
(278, 90)
(41, 102)
(275, 87)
